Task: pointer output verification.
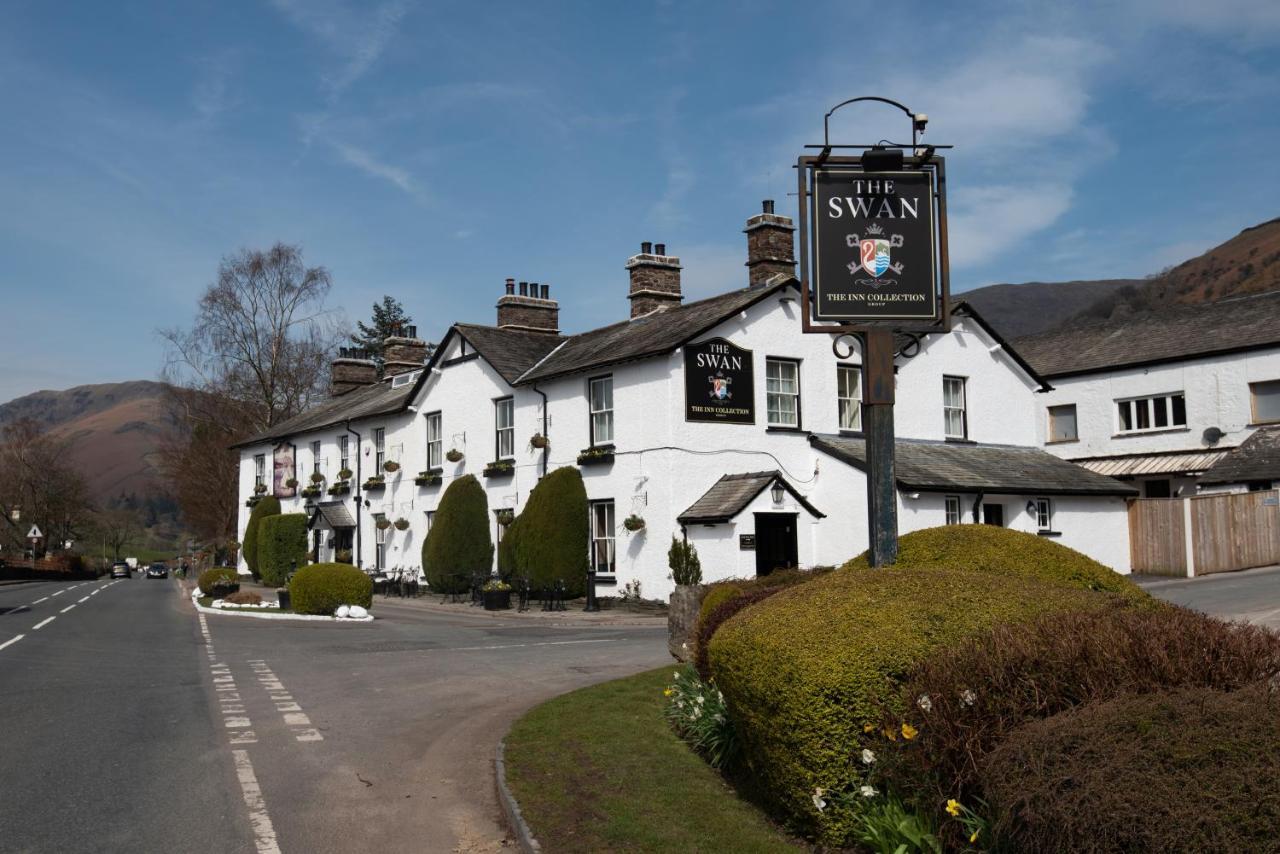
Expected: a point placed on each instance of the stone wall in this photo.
(682, 620)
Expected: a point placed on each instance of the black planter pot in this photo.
(497, 600)
(283, 595)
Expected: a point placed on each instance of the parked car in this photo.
(158, 570)
(120, 569)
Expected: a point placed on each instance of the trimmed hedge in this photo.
(1190, 770)
(507, 550)
(322, 587)
(210, 577)
(990, 548)
(805, 670)
(553, 544)
(268, 506)
(282, 545)
(458, 545)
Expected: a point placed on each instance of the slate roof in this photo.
(511, 352)
(1175, 332)
(1257, 458)
(731, 494)
(364, 402)
(650, 335)
(927, 466)
(335, 514)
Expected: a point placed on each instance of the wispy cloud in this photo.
(369, 164)
(357, 37)
(212, 94)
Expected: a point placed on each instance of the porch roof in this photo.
(731, 494)
(334, 514)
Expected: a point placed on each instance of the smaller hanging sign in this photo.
(719, 383)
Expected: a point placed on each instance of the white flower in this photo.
(697, 713)
(868, 791)
(868, 756)
(968, 697)
(701, 699)
(925, 703)
(676, 675)
(818, 800)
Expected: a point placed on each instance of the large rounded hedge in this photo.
(269, 505)
(458, 545)
(990, 548)
(805, 670)
(553, 541)
(1188, 770)
(322, 587)
(282, 546)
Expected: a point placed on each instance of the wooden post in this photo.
(877, 422)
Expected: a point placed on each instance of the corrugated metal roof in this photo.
(1179, 462)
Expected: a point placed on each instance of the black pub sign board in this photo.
(719, 383)
(874, 245)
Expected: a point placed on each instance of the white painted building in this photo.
(1161, 399)
(715, 420)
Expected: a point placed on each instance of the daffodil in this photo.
(909, 732)
(868, 791)
(953, 807)
(968, 697)
(667, 693)
(925, 703)
(973, 838)
(868, 727)
(868, 756)
(818, 800)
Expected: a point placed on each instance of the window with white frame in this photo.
(953, 509)
(782, 392)
(1156, 412)
(602, 536)
(379, 449)
(1062, 423)
(344, 455)
(315, 456)
(504, 426)
(259, 469)
(849, 392)
(379, 541)
(1044, 514)
(600, 400)
(431, 518)
(1266, 401)
(435, 441)
(954, 412)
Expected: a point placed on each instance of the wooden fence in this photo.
(1205, 534)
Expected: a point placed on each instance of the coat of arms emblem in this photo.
(720, 387)
(875, 250)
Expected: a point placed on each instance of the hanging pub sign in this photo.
(877, 239)
(284, 471)
(719, 383)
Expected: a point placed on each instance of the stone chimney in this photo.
(532, 309)
(770, 248)
(403, 353)
(352, 369)
(655, 280)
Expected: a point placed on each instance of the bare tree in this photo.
(37, 480)
(118, 529)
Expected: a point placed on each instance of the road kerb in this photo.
(510, 808)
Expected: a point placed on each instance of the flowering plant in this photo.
(496, 584)
(696, 711)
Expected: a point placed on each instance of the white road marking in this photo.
(294, 717)
(59, 593)
(264, 834)
(519, 645)
(68, 608)
(85, 599)
(38, 601)
(43, 623)
(12, 640)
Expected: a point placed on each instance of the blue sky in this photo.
(430, 150)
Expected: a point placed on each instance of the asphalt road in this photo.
(1252, 595)
(130, 723)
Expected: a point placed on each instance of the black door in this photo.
(776, 546)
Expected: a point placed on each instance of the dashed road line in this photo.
(82, 601)
(12, 641)
(68, 608)
(38, 601)
(60, 592)
(264, 833)
(295, 718)
(43, 623)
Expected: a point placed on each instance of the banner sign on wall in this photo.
(284, 471)
(719, 383)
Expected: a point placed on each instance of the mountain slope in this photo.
(1033, 307)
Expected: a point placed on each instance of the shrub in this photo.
(243, 597)
(806, 669)
(737, 599)
(458, 545)
(553, 533)
(980, 692)
(722, 591)
(210, 577)
(282, 546)
(990, 548)
(268, 506)
(682, 557)
(507, 549)
(1189, 770)
(322, 587)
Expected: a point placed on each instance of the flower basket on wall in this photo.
(317, 478)
(345, 474)
(383, 524)
(311, 491)
(596, 455)
(454, 455)
(375, 482)
(430, 477)
(391, 466)
(633, 523)
(341, 488)
(506, 516)
(499, 468)
(260, 489)
(292, 483)
(402, 524)
(539, 441)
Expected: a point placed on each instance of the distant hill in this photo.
(1034, 307)
(115, 430)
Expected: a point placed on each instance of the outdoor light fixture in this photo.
(776, 491)
(881, 159)
(1031, 507)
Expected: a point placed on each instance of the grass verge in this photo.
(600, 770)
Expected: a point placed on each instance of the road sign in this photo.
(34, 533)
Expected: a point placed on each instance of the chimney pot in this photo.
(524, 289)
(511, 286)
(646, 248)
(768, 205)
(660, 249)
(546, 292)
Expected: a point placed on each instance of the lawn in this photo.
(599, 769)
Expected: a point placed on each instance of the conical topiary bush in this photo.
(458, 544)
(553, 533)
(268, 506)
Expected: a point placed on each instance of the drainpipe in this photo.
(358, 557)
(977, 503)
(545, 421)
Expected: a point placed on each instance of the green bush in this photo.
(210, 577)
(683, 560)
(321, 587)
(990, 548)
(282, 545)
(268, 506)
(720, 592)
(806, 669)
(553, 544)
(458, 545)
(1189, 770)
(507, 550)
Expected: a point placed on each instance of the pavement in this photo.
(132, 723)
(1251, 595)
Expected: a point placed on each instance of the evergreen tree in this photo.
(389, 318)
(269, 505)
(553, 537)
(458, 545)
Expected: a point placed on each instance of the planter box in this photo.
(500, 469)
(601, 455)
(282, 595)
(430, 477)
(372, 485)
(340, 489)
(496, 600)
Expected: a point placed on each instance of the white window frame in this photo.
(604, 536)
(379, 449)
(315, 456)
(1272, 390)
(259, 470)
(379, 542)
(1044, 514)
(600, 409)
(849, 397)
(775, 394)
(954, 515)
(431, 518)
(344, 452)
(1075, 420)
(435, 440)
(948, 382)
(504, 435)
(1149, 406)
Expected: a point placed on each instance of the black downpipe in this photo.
(358, 556)
(977, 504)
(546, 450)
